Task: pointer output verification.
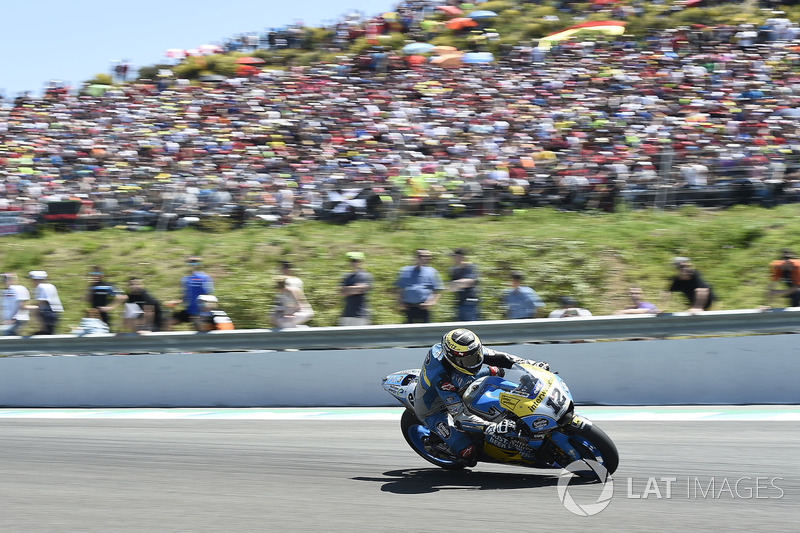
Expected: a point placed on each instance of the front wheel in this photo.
(419, 437)
(591, 442)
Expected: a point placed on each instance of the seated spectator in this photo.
(637, 305)
(14, 305)
(520, 301)
(211, 317)
(91, 323)
(142, 312)
(785, 279)
(569, 308)
(688, 282)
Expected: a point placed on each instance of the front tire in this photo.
(417, 436)
(591, 442)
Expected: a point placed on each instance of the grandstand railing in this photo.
(714, 323)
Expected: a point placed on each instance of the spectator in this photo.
(195, 284)
(464, 281)
(688, 281)
(15, 313)
(418, 288)
(520, 301)
(569, 308)
(91, 323)
(291, 279)
(102, 295)
(142, 311)
(785, 280)
(355, 286)
(211, 317)
(47, 308)
(292, 308)
(637, 305)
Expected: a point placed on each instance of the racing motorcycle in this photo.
(550, 434)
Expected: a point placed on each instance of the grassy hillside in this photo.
(594, 257)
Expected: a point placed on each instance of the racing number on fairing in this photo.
(556, 400)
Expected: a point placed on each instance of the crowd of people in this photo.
(417, 288)
(701, 114)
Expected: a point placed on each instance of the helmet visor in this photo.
(469, 360)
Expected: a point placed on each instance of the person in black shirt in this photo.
(689, 283)
(142, 311)
(464, 281)
(355, 286)
(102, 295)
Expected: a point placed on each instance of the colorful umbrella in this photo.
(461, 23)
(477, 57)
(175, 53)
(417, 48)
(209, 49)
(447, 60)
(609, 27)
(250, 61)
(450, 10)
(482, 14)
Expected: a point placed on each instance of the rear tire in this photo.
(416, 435)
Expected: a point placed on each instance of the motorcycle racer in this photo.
(449, 368)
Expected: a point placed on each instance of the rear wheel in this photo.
(428, 446)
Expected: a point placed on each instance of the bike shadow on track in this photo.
(428, 480)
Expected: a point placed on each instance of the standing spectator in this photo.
(211, 317)
(464, 281)
(355, 286)
(102, 295)
(637, 306)
(142, 311)
(194, 284)
(520, 301)
(689, 282)
(569, 308)
(418, 287)
(785, 280)
(15, 313)
(47, 308)
(292, 308)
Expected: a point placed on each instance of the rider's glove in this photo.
(505, 427)
(494, 371)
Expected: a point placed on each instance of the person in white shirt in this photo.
(47, 305)
(569, 308)
(14, 313)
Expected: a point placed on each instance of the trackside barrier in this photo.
(192, 370)
(410, 335)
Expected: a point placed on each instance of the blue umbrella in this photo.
(418, 48)
(482, 14)
(477, 57)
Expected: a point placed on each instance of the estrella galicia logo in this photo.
(443, 430)
(606, 482)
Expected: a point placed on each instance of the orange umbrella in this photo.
(416, 60)
(461, 23)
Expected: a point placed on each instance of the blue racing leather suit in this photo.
(438, 402)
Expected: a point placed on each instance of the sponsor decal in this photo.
(467, 452)
(395, 379)
(443, 430)
(428, 358)
(447, 386)
(540, 423)
(579, 422)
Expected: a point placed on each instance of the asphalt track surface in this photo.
(119, 475)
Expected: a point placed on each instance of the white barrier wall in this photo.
(729, 370)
